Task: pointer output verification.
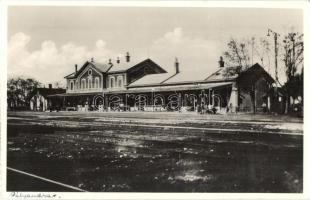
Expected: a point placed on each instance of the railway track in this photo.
(35, 179)
(214, 127)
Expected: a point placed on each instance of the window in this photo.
(90, 72)
(120, 81)
(112, 80)
(89, 83)
(71, 85)
(83, 84)
(97, 82)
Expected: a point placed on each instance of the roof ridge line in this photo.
(96, 67)
(168, 78)
(212, 74)
(69, 74)
(111, 65)
(146, 75)
(131, 65)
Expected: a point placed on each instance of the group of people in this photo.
(206, 109)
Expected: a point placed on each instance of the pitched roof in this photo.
(199, 77)
(184, 76)
(253, 73)
(72, 75)
(219, 76)
(108, 68)
(47, 91)
(117, 67)
(121, 67)
(151, 79)
(103, 67)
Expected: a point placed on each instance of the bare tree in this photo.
(293, 58)
(261, 50)
(237, 57)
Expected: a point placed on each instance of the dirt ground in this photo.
(156, 152)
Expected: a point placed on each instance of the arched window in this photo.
(89, 83)
(71, 85)
(83, 84)
(97, 82)
(112, 80)
(120, 81)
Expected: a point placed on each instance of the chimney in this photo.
(221, 62)
(117, 60)
(50, 86)
(76, 68)
(177, 70)
(127, 57)
(92, 60)
(110, 62)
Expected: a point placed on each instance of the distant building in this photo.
(38, 98)
(16, 104)
(146, 86)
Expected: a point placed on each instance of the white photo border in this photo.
(304, 5)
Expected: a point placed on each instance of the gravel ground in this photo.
(157, 152)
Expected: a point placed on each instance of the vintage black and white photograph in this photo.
(155, 99)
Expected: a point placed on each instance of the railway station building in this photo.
(146, 86)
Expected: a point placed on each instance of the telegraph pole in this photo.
(275, 36)
(252, 43)
(292, 39)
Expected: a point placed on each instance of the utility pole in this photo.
(252, 44)
(275, 36)
(292, 39)
(290, 45)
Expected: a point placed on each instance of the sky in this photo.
(46, 42)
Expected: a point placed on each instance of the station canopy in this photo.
(174, 88)
(74, 94)
(164, 88)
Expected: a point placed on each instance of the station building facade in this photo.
(146, 86)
